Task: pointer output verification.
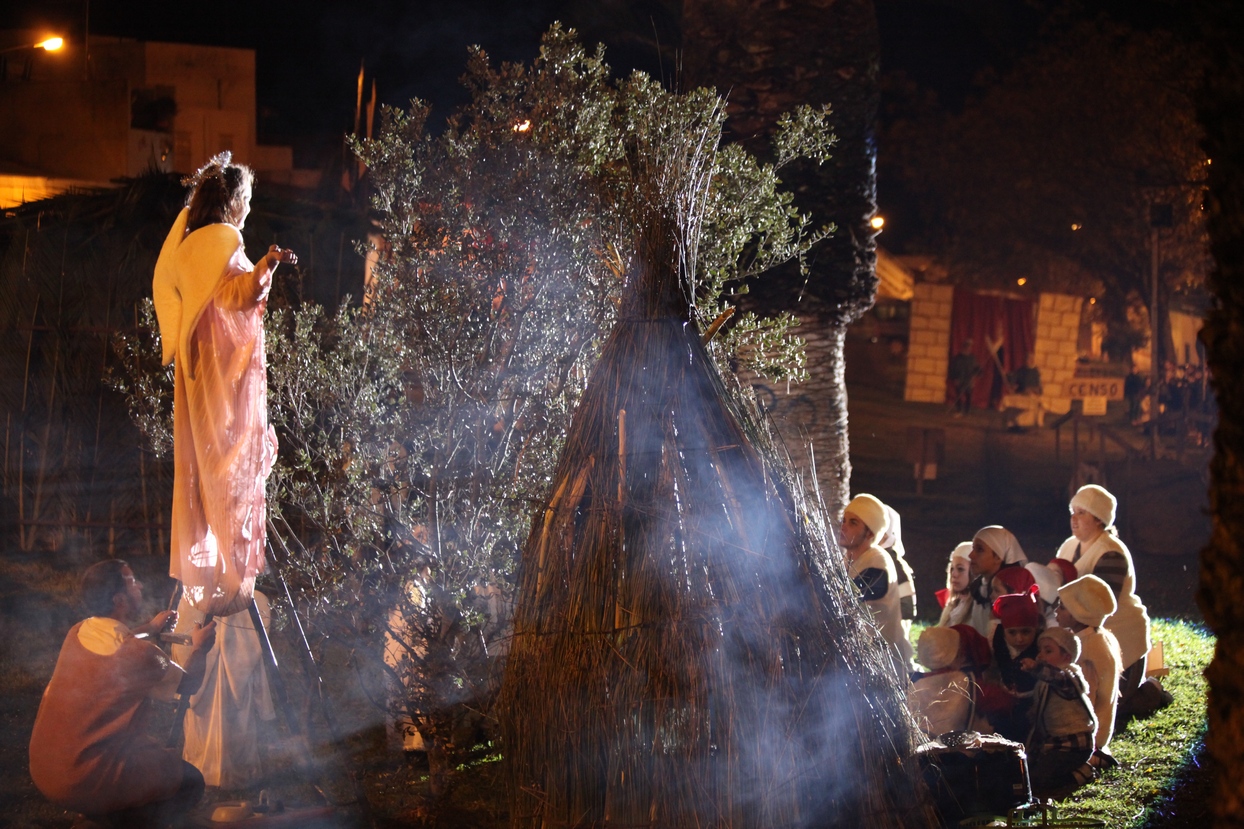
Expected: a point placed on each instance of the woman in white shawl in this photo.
(210, 301)
(994, 548)
(1094, 548)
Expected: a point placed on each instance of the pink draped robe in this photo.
(210, 305)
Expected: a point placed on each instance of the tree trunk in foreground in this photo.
(1222, 565)
(768, 57)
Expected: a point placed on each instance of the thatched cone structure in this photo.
(687, 649)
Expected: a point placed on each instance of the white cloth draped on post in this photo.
(222, 724)
(210, 306)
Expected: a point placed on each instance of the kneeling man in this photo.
(89, 751)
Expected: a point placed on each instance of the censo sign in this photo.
(1110, 388)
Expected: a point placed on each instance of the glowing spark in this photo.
(877, 222)
(1076, 226)
(522, 126)
(1021, 281)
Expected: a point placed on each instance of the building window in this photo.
(153, 108)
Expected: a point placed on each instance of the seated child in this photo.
(1063, 570)
(1048, 583)
(1063, 723)
(1085, 603)
(943, 699)
(1014, 640)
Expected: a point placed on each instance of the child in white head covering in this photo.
(943, 699)
(993, 549)
(954, 598)
(1085, 604)
(1060, 741)
(892, 542)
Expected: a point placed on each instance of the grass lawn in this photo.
(1155, 784)
(1153, 753)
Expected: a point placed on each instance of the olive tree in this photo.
(420, 426)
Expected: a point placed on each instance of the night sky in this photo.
(309, 51)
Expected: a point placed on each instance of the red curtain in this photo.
(982, 317)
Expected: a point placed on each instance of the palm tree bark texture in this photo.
(768, 57)
(1222, 563)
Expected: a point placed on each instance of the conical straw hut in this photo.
(687, 648)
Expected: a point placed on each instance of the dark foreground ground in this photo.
(988, 475)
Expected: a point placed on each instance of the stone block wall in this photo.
(1058, 329)
(928, 349)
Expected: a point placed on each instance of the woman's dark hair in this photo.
(216, 192)
(100, 583)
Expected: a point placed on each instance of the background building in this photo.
(88, 116)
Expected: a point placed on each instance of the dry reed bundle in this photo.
(687, 650)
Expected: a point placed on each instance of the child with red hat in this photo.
(1014, 639)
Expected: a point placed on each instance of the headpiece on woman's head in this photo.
(1089, 600)
(216, 192)
(1067, 641)
(937, 647)
(976, 648)
(1003, 542)
(870, 510)
(214, 168)
(1066, 570)
(962, 550)
(892, 538)
(1097, 502)
(1019, 610)
(1014, 579)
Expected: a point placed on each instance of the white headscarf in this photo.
(1003, 542)
(892, 539)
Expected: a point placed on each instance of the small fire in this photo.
(522, 126)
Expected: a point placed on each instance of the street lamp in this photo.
(50, 44)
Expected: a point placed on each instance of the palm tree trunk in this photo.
(770, 57)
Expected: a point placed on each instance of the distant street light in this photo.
(50, 44)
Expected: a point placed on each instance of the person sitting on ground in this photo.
(1047, 582)
(994, 548)
(1084, 606)
(1064, 570)
(1007, 581)
(1014, 640)
(871, 568)
(892, 542)
(1060, 741)
(89, 750)
(1094, 547)
(943, 699)
(954, 597)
